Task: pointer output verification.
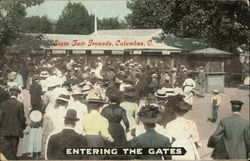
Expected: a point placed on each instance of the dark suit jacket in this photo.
(232, 131)
(151, 139)
(4, 95)
(67, 138)
(139, 87)
(13, 119)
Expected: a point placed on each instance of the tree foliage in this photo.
(224, 24)
(75, 20)
(12, 12)
(111, 23)
(36, 24)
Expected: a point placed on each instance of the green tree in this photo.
(224, 24)
(111, 23)
(75, 20)
(36, 24)
(12, 13)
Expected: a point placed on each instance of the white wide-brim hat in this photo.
(215, 91)
(161, 93)
(53, 81)
(35, 116)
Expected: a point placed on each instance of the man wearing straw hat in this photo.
(79, 106)
(67, 138)
(150, 115)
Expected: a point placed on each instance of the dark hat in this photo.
(150, 114)
(178, 102)
(129, 91)
(200, 67)
(71, 115)
(236, 102)
(36, 77)
(15, 88)
(114, 96)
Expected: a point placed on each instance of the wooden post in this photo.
(172, 62)
(222, 66)
(148, 60)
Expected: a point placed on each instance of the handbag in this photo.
(213, 140)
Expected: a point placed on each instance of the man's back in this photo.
(13, 119)
(233, 137)
(151, 139)
(67, 138)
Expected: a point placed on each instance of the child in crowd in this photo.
(34, 132)
(215, 103)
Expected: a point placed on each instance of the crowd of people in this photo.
(100, 103)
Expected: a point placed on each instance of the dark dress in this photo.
(114, 114)
(35, 96)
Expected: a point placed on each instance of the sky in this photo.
(101, 8)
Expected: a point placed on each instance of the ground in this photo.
(201, 111)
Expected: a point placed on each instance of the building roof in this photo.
(210, 52)
(186, 44)
(129, 32)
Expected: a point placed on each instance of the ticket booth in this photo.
(213, 62)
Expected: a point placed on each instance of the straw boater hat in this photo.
(86, 89)
(150, 114)
(64, 97)
(77, 91)
(44, 74)
(71, 115)
(169, 91)
(161, 93)
(173, 70)
(95, 99)
(35, 116)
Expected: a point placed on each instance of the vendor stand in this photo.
(213, 62)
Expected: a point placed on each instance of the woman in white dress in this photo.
(188, 89)
(182, 132)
